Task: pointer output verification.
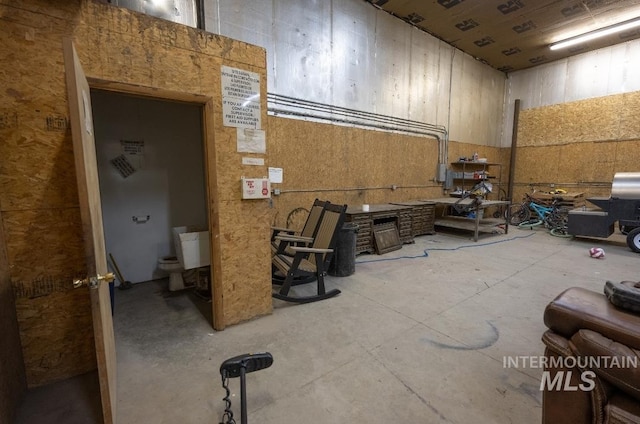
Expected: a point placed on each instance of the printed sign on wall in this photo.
(240, 98)
(251, 141)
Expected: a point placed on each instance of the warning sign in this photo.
(240, 98)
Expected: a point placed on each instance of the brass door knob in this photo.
(93, 282)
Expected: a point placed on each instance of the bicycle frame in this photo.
(552, 216)
(542, 211)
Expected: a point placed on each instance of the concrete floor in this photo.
(413, 337)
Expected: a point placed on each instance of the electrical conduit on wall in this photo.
(279, 105)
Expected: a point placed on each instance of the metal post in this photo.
(243, 395)
(514, 146)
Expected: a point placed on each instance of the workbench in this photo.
(477, 224)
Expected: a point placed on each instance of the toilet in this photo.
(171, 265)
(192, 251)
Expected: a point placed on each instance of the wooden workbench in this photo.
(476, 224)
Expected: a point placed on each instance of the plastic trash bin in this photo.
(343, 262)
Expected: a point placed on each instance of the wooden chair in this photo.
(305, 236)
(310, 261)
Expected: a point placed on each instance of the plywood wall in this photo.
(38, 195)
(348, 165)
(356, 166)
(578, 146)
(13, 383)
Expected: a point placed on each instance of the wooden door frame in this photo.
(208, 139)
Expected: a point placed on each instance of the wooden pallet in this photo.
(564, 201)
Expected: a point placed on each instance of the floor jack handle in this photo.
(240, 366)
(243, 395)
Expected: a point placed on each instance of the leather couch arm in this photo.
(560, 406)
(577, 309)
(557, 344)
(612, 361)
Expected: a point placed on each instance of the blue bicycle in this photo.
(529, 214)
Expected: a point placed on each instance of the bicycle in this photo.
(553, 217)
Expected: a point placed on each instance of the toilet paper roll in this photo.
(365, 208)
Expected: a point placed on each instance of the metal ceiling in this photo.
(511, 35)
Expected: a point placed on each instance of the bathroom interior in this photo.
(153, 193)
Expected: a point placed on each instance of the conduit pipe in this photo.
(314, 190)
(290, 106)
(277, 99)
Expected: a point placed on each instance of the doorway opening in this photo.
(153, 190)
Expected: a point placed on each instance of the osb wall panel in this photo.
(39, 200)
(38, 194)
(45, 250)
(627, 155)
(55, 345)
(628, 115)
(537, 165)
(578, 146)
(548, 167)
(46, 242)
(244, 262)
(13, 383)
(37, 167)
(348, 166)
(599, 119)
(229, 168)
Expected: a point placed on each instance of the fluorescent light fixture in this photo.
(603, 32)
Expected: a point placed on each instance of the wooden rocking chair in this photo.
(305, 236)
(312, 260)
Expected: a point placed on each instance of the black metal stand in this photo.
(240, 366)
(243, 395)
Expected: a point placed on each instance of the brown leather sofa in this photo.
(599, 344)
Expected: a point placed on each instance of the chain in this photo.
(227, 417)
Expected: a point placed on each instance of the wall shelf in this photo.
(466, 174)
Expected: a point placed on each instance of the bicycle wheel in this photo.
(560, 232)
(517, 213)
(530, 223)
(557, 219)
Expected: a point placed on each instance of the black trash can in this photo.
(343, 262)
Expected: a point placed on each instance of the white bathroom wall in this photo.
(168, 185)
